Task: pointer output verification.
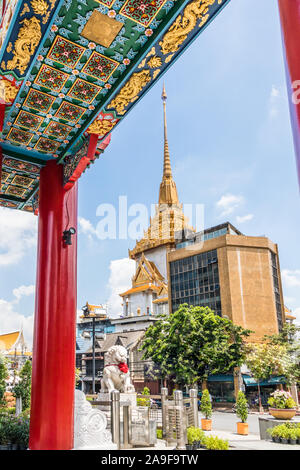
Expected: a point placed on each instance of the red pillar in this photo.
(53, 364)
(290, 21)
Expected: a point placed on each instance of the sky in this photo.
(231, 151)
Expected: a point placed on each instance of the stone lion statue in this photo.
(116, 373)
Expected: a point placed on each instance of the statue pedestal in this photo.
(90, 425)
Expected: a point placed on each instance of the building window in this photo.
(198, 274)
(276, 290)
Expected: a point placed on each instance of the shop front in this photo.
(266, 388)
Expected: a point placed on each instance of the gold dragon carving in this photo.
(27, 41)
(101, 127)
(129, 92)
(185, 23)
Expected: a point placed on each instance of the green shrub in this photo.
(14, 430)
(242, 407)
(215, 443)
(293, 435)
(195, 435)
(205, 406)
(285, 431)
(144, 401)
(159, 433)
(25, 414)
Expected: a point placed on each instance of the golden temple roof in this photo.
(11, 341)
(161, 301)
(140, 289)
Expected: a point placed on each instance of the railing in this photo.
(175, 416)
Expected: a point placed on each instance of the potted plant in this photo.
(195, 437)
(206, 410)
(191, 437)
(275, 433)
(281, 405)
(293, 437)
(242, 413)
(298, 434)
(284, 435)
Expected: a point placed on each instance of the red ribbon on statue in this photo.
(123, 367)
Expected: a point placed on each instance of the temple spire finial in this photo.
(168, 191)
(167, 162)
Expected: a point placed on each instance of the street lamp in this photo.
(87, 314)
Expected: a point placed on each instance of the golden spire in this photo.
(168, 191)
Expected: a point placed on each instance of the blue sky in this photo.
(231, 150)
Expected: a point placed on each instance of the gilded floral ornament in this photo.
(154, 62)
(101, 127)
(39, 7)
(27, 41)
(185, 23)
(129, 92)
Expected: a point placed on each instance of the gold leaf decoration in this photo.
(101, 127)
(154, 62)
(151, 52)
(27, 41)
(156, 73)
(142, 64)
(185, 23)
(129, 92)
(39, 7)
(26, 9)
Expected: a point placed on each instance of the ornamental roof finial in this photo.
(168, 191)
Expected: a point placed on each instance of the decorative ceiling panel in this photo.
(74, 67)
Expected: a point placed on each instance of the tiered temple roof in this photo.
(169, 220)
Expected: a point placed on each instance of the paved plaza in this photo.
(224, 426)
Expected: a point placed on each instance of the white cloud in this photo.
(296, 313)
(121, 272)
(86, 227)
(244, 218)
(274, 102)
(23, 291)
(10, 321)
(291, 278)
(18, 233)
(229, 203)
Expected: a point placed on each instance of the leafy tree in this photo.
(192, 343)
(23, 388)
(289, 338)
(268, 359)
(3, 377)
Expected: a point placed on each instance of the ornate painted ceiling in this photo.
(72, 68)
